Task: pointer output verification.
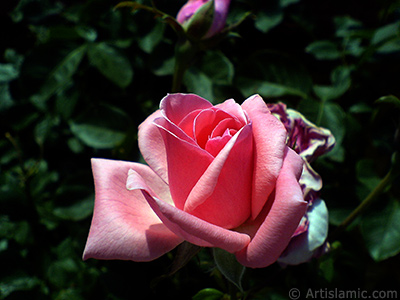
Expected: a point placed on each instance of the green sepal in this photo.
(199, 24)
(229, 266)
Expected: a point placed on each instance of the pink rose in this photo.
(221, 8)
(217, 176)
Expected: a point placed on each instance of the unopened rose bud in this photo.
(202, 19)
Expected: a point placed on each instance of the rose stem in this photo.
(364, 204)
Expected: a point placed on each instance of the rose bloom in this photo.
(221, 8)
(217, 176)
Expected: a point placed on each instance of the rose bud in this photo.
(203, 18)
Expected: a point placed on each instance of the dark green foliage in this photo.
(78, 77)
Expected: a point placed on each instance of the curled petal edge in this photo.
(189, 227)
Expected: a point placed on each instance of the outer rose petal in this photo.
(284, 213)
(189, 9)
(220, 16)
(302, 247)
(269, 140)
(124, 226)
(189, 227)
(151, 145)
(177, 106)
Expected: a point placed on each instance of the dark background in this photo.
(78, 77)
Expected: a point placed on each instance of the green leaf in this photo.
(338, 214)
(6, 101)
(385, 33)
(381, 231)
(389, 47)
(341, 82)
(12, 56)
(75, 145)
(333, 117)
(353, 47)
(199, 83)
(327, 269)
(62, 272)
(42, 177)
(103, 128)
(69, 293)
(18, 231)
(346, 26)
(88, 33)
(42, 129)
(77, 211)
(208, 294)
(8, 72)
(266, 20)
(285, 3)
(391, 100)
(111, 63)
(229, 266)
(360, 108)
(365, 170)
(23, 283)
(273, 75)
(218, 67)
(323, 50)
(165, 67)
(60, 76)
(185, 252)
(66, 101)
(3, 245)
(153, 38)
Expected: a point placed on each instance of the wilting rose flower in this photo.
(310, 142)
(221, 8)
(217, 176)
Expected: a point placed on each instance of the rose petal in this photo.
(167, 125)
(151, 145)
(205, 123)
(191, 228)
(310, 140)
(176, 106)
(234, 109)
(225, 124)
(283, 214)
(222, 194)
(302, 247)
(186, 161)
(220, 16)
(269, 140)
(189, 9)
(216, 144)
(124, 226)
(186, 124)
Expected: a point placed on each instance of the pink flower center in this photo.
(211, 128)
